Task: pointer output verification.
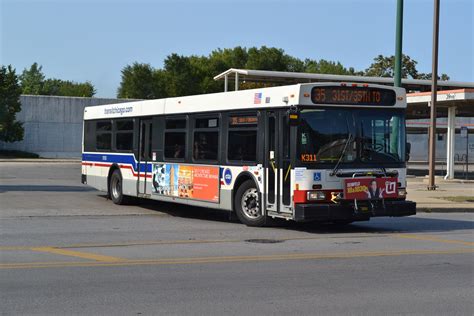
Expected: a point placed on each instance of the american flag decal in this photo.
(257, 99)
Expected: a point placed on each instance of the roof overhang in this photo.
(462, 99)
(283, 77)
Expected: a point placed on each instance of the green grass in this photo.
(16, 154)
(458, 198)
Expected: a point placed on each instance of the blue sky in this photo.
(93, 40)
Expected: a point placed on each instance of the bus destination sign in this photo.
(353, 96)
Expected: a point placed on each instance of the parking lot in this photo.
(66, 249)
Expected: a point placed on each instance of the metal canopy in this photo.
(282, 77)
(461, 99)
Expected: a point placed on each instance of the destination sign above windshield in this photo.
(353, 96)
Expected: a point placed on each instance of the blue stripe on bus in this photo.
(128, 159)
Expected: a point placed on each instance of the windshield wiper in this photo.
(336, 167)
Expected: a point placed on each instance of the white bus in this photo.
(331, 152)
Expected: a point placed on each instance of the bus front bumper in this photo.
(335, 212)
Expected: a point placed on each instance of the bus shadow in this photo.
(187, 211)
(381, 225)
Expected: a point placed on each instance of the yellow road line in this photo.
(72, 253)
(232, 259)
(434, 239)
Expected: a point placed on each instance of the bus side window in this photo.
(124, 135)
(206, 139)
(175, 139)
(89, 136)
(103, 138)
(242, 139)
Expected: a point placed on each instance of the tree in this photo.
(187, 75)
(183, 77)
(326, 67)
(68, 88)
(265, 58)
(383, 66)
(428, 76)
(137, 82)
(32, 80)
(51, 87)
(10, 129)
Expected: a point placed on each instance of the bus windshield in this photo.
(362, 135)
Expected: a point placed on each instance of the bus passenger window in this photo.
(175, 138)
(103, 138)
(103, 141)
(206, 138)
(242, 145)
(124, 141)
(175, 143)
(176, 124)
(104, 126)
(205, 145)
(242, 138)
(124, 135)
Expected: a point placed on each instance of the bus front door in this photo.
(277, 163)
(144, 156)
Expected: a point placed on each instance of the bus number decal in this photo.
(308, 157)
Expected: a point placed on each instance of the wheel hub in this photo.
(116, 188)
(250, 203)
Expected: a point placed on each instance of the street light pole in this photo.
(434, 87)
(398, 45)
(397, 80)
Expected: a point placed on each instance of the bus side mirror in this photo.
(407, 151)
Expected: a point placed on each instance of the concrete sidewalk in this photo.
(448, 197)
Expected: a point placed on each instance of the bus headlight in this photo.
(402, 192)
(315, 196)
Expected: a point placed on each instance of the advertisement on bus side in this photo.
(185, 181)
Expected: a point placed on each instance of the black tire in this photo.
(115, 188)
(247, 204)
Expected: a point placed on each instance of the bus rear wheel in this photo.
(247, 205)
(115, 188)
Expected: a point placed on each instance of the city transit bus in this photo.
(330, 152)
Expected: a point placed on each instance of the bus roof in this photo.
(273, 97)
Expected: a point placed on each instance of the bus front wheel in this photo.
(247, 205)
(115, 188)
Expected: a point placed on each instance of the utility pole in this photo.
(434, 87)
(397, 82)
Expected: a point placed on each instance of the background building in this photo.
(53, 125)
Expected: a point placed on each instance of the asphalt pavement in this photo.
(67, 250)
